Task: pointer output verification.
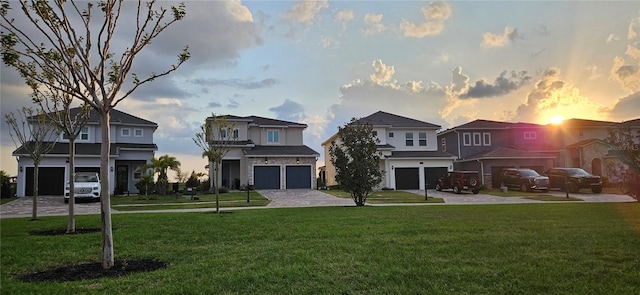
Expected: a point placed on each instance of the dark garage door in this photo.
(88, 169)
(266, 177)
(432, 174)
(50, 181)
(298, 177)
(407, 178)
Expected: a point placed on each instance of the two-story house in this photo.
(410, 155)
(266, 153)
(132, 147)
(490, 146)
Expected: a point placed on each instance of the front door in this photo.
(122, 179)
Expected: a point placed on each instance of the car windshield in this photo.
(577, 172)
(86, 178)
(528, 173)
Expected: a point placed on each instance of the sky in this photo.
(324, 62)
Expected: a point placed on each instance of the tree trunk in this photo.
(71, 225)
(34, 214)
(105, 200)
(215, 177)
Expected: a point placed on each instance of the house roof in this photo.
(631, 123)
(586, 142)
(117, 117)
(420, 154)
(281, 151)
(259, 121)
(387, 119)
(489, 124)
(89, 149)
(234, 143)
(385, 147)
(507, 153)
(581, 123)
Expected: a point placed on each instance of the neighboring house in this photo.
(489, 146)
(132, 147)
(410, 156)
(268, 154)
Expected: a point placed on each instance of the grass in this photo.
(388, 197)
(6, 200)
(576, 248)
(549, 198)
(166, 202)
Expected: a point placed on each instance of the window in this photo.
(466, 138)
(83, 135)
(236, 133)
(273, 136)
(375, 133)
(137, 172)
(125, 132)
(422, 139)
(223, 133)
(486, 138)
(409, 138)
(390, 134)
(443, 141)
(580, 133)
(137, 132)
(477, 140)
(529, 135)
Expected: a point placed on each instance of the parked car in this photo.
(86, 187)
(524, 179)
(459, 181)
(574, 179)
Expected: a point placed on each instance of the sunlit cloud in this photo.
(435, 14)
(305, 11)
(612, 38)
(495, 40)
(373, 24)
(343, 17)
(383, 73)
(634, 27)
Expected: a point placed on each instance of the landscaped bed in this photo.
(572, 248)
(180, 201)
(388, 197)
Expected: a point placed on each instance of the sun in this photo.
(556, 119)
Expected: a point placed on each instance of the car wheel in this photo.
(473, 182)
(573, 187)
(475, 191)
(596, 190)
(523, 187)
(438, 187)
(456, 189)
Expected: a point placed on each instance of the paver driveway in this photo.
(303, 198)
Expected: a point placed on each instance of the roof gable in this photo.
(256, 120)
(388, 119)
(117, 117)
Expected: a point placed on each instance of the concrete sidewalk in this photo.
(55, 206)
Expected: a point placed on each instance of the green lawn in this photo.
(388, 197)
(165, 202)
(6, 200)
(572, 248)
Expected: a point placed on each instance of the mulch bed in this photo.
(57, 232)
(93, 270)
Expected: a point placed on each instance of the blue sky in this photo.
(323, 62)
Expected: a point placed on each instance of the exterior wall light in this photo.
(266, 160)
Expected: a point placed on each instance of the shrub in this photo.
(145, 185)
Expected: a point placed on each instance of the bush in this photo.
(145, 185)
(223, 190)
(204, 186)
(193, 181)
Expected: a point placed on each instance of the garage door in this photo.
(50, 181)
(88, 169)
(407, 178)
(266, 177)
(298, 177)
(432, 174)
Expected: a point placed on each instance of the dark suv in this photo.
(459, 181)
(524, 179)
(574, 179)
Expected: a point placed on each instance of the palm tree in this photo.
(161, 165)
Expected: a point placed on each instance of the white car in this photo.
(86, 187)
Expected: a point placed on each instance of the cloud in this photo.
(343, 17)
(237, 83)
(214, 104)
(442, 58)
(633, 52)
(373, 24)
(435, 14)
(594, 72)
(627, 75)
(233, 104)
(502, 85)
(305, 11)
(626, 108)
(289, 110)
(459, 83)
(383, 73)
(329, 42)
(634, 27)
(612, 37)
(494, 40)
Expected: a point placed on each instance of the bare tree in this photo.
(216, 137)
(60, 56)
(37, 136)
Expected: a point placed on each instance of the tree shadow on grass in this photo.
(58, 232)
(93, 270)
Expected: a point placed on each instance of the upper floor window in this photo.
(125, 132)
(443, 141)
(408, 138)
(83, 135)
(137, 132)
(529, 135)
(477, 140)
(236, 133)
(486, 138)
(390, 134)
(466, 138)
(223, 133)
(273, 136)
(422, 139)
